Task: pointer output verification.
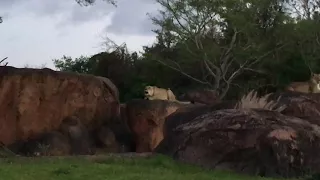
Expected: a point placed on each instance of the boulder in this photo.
(123, 133)
(186, 114)
(298, 104)
(145, 119)
(34, 102)
(253, 141)
(79, 138)
(53, 143)
(107, 140)
(201, 96)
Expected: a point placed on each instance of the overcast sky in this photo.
(34, 32)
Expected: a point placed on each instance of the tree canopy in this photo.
(230, 46)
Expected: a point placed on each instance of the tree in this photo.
(230, 46)
(305, 9)
(81, 64)
(223, 37)
(119, 66)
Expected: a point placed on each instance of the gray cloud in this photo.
(99, 10)
(131, 17)
(30, 28)
(49, 8)
(8, 3)
(71, 12)
(7, 6)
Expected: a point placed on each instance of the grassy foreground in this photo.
(114, 168)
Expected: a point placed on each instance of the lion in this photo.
(310, 86)
(153, 92)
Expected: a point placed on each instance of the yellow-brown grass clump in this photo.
(252, 101)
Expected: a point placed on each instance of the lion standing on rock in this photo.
(153, 92)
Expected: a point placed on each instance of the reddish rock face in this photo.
(259, 142)
(299, 104)
(36, 101)
(145, 119)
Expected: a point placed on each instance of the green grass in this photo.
(115, 168)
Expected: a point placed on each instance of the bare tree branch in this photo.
(4, 60)
(178, 69)
(204, 29)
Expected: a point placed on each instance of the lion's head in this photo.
(315, 78)
(149, 91)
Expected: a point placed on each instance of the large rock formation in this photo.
(37, 101)
(186, 114)
(202, 96)
(117, 136)
(298, 104)
(145, 118)
(253, 141)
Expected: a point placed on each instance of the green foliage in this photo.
(80, 65)
(314, 177)
(223, 39)
(231, 46)
(119, 66)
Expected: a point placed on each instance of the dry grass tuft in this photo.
(251, 100)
